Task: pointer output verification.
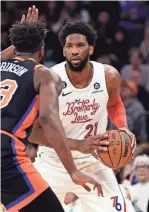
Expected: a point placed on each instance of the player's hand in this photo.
(32, 15)
(93, 143)
(133, 139)
(82, 179)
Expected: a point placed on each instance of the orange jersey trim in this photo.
(27, 119)
(33, 179)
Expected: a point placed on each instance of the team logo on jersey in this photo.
(81, 110)
(64, 84)
(96, 85)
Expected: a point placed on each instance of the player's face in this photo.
(77, 51)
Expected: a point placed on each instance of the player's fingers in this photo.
(36, 15)
(131, 135)
(134, 149)
(31, 17)
(99, 189)
(94, 153)
(133, 141)
(101, 136)
(96, 185)
(91, 180)
(28, 14)
(87, 188)
(33, 8)
(104, 149)
(23, 18)
(103, 143)
(99, 142)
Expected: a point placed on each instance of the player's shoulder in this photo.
(112, 76)
(97, 66)
(110, 71)
(59, 67)
(50, 73)
(6, 60)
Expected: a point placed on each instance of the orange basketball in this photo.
(119, 150)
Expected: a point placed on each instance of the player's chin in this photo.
(75, 64)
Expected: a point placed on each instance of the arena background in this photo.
(123, 42)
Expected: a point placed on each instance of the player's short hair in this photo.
(78, 27)
(27, 37)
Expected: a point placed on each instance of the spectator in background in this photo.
(126, 175)
(133, 17)
(144, 47)
(105, 59)
(69, 12)
(120, 45)
(4, 39)
(105, 31)
(142, 149)
(134, 110)
(140, 191)
(72, 203)
(143, 95)
(54, 9)
(136, 64)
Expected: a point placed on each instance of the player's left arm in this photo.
(115, 106)
(37, 135)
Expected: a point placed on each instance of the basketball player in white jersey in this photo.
(90, 94)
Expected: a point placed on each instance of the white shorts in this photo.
(61, 183)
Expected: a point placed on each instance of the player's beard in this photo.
(79, 67)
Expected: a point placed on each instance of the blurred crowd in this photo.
(123, 41)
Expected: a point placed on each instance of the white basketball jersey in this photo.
(83, 112)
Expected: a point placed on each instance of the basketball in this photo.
(119, 150)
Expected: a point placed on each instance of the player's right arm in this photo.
(85, 146)
(49, 86)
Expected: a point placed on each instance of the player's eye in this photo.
(80, 44)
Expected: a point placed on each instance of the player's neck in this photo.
(26, 56)
(80, 79)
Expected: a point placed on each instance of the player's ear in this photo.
(91, 50)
